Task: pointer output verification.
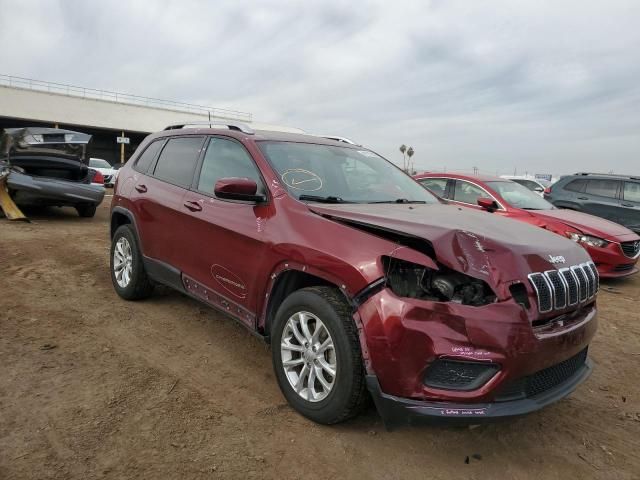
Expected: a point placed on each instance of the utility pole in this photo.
(122, 150)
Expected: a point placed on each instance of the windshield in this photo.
(341, 174)
(519, 196)
(99, 163)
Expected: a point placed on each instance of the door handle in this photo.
(141, 188)
(583, 198)
(193, 206)
(628, 205)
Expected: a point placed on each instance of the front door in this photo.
(222, 241)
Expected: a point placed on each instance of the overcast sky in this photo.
(542, 86)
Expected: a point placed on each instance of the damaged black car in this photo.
(49, 167)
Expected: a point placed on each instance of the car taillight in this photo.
(98, 178)
(547, 190)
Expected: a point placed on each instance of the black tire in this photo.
(86, 211)
(348, 395)
(140, 285)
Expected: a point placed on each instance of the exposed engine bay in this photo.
(411, 280)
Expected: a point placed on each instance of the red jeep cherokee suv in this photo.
(361, 280)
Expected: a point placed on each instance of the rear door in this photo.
(630, 206)
(222, 241)
(601, 198)
(163, 190)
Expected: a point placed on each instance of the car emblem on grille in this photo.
(556, 259)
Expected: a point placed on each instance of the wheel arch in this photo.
(288, 278)
(121, 216)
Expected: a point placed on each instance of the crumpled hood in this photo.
(588, 224)
(484, 246)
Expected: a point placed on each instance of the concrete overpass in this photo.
(106, 115)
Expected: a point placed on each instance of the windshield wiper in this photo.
(318, 198)
(400, 200)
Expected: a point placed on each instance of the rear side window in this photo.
(466, 192)
(178, 160)
(435, 185)
(142, 164)
(226, 158)
(632, 191)
(602, 188)
(576, 185)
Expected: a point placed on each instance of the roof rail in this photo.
(237, 126)
(613, 175)
(338, 139)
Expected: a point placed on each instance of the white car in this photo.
(110, 174)
(534, 185)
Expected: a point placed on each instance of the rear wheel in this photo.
(128, 275)
(316, 355)
(86, 211)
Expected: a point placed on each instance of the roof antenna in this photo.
(209, 112)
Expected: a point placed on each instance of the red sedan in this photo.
(614, 248)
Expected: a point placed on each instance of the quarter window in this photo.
(602, 188)
(178, 160)
(466, 192)
(435, 185)
(142, 164)
(227, 158)
(632, 191)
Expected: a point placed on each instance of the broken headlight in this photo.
(411, 280)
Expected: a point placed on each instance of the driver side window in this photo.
(226, 158)
(466, 192)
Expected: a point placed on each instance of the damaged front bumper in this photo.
(530, 367)
(396, 411)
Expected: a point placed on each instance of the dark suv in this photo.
(361, 280)
(614, 197)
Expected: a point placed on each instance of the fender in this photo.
(292, 265)
(354, 298)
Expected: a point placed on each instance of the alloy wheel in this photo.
(308, 356)
(122, 262)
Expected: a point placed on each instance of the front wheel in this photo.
(316, 355)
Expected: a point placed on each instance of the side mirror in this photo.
(234, 188)
(488, 204)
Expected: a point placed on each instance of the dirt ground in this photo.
(92, 386)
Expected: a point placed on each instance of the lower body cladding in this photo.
(448, 362)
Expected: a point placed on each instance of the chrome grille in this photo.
(558, 289)
(572, 285)
(543, 291)
(630, 249)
